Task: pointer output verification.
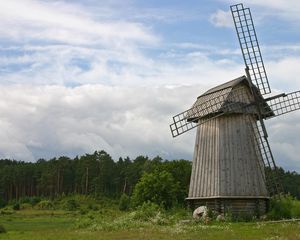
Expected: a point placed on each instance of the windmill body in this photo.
(233, 165)
(227, 171)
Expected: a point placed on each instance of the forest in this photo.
(97, 174)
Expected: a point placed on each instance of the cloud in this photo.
(73, 65)
(283, 74)
(289, 11)
(278, 8)
(221, 19)
(47, 121)
(284, 140)
(77, 78)
(31, 20)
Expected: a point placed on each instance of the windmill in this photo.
(233, 165)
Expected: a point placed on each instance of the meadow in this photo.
(86, 218)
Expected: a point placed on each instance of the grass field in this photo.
(57, 224)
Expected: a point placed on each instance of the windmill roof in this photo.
(231, 97)
(229, 84)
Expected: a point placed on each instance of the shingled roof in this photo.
(226, 85)
(231, 97)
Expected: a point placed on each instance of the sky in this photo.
(83, 75)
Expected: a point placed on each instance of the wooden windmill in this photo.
(232, 151)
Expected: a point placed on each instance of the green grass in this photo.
(56, 224)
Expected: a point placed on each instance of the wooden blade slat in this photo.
(284, 104)
(250, 48)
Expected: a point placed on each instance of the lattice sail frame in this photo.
(280, 105)
(250, 48)
(256, 73)
(215, 106)
(269, 168)
(284, 103)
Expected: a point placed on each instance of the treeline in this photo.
(99, 175)
(291, 182)
(91, 174)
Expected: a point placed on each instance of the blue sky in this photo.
(79, 76)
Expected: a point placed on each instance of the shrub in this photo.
(24, 200)
(45, 205)
(93, 207)
(281, 207)
(146, 211)
(2, 229)
(83, 211)
(71, 205)
(150, 212)
(25, 206)
(34, 200)
(124, 202)
(6, 211)
(16, 206)
(296, 209)
(30, 200)
(158, 187)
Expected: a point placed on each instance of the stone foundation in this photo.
(234, 206)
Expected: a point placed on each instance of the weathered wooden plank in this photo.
(239, 172)
(227, 161)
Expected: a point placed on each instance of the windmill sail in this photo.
(193, 117)
(233, 165)
(249, 45)
(230, 97)
(284, 103)
(210, 106)
(269, 170)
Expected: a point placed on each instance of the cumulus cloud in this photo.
(285, 73)
(284, 140)
(31, 20)
(288, 10)
(70, 65)
(47, 121)
(221, 19)
(76, 79)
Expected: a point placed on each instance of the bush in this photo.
(146, 211)
(281, 207)
(296, 209)
(45, 205)
(158, 187)
(25, 206)
(24, 200)
(16, 206)
(7, 211)
(34, 200)
(30, 200)
(71, 205)
(93, 207)
(83, 211)
(2, 229)
(124, 202)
